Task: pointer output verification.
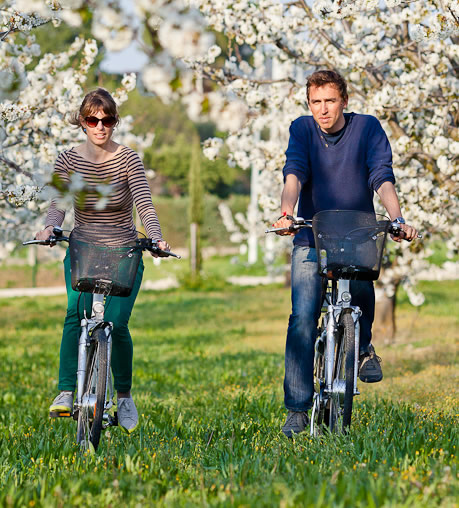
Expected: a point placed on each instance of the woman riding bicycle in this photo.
(100, 160)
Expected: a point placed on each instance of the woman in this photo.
(100, 160)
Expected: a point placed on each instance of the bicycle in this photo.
(102, 266)
(349, 246)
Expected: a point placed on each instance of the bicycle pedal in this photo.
(115, 419)
(60, 414)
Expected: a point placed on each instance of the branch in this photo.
(14, 166)
(423, 158)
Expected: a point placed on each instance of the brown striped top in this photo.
(126, 176)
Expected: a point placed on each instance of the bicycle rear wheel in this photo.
(340, 405)
(91, 413)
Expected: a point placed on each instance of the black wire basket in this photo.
(349, 243)
(104, 259)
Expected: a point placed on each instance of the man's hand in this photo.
(290, 194)
(283, 222)
(409, 233)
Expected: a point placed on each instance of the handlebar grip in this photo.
(396, 230)
(164, 253)
(152, 246)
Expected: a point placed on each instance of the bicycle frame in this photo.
(87, 325)
(336, 363)
(333, 314)
(340, 300)
(95, 393)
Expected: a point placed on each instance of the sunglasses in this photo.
(93, 121)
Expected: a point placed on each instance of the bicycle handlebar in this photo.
(56, 237)
(298, 223)
(143, 243)
(152, 246)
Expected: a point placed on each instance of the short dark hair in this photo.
(94, 101)
(321, 78)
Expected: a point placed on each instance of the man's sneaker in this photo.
(62, 405)
(296, 422)
(369, 366)
(127, 415)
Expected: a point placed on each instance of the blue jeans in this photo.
(303, 322)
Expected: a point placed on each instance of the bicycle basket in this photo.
(104, 259)
(349, 243)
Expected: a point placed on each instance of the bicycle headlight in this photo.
(98, 307)
(346, 297)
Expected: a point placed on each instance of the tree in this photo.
(400, 59)
(196, 209)
(38, 93)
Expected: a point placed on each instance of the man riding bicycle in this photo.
(335, 161)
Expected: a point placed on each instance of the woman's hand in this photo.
(45, 234)
(163, 245)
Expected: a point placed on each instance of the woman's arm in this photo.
(141, 194)
(55, 215)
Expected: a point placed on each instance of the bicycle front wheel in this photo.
(90, 416)
(340, 409)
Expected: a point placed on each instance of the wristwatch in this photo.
(400, 220)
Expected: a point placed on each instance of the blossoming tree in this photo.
(401, 65)
(399, 58)
(34, 128)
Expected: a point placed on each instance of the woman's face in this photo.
(99, 127)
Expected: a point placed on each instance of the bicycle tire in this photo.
(90, 425)
(340, 406)
(349, 337)
(318, 409)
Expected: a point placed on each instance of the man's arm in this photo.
(389, 199)
(289, 198)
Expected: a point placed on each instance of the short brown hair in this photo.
(321, 78)
(93, 102)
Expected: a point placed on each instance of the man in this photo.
(335, 161)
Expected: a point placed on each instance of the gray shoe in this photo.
(62, 405)
(128, 417)
(369, 366)
(296, 422)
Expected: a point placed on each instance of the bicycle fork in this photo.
(97, 317)
(334, 311)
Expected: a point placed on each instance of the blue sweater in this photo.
(337, 177)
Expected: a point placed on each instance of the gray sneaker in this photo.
(62, 405)
(128, 417)
(296, 422)
(369, 366)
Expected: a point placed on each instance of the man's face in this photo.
(327, 106)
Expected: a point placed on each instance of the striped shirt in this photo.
(126, 176)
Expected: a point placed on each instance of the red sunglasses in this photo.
(93, 121)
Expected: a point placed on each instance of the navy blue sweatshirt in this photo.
(337, 177)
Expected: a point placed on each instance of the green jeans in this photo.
(117, 310)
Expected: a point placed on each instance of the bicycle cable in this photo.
(78, 307)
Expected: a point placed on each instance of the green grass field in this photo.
(208, 370)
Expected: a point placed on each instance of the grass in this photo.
(208, 371)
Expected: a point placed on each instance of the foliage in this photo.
(173, 162)
(34, 128)
(207, 381)
(173, 211)
(400, 59)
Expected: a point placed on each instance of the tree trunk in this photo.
(384, 323)
(196, 211)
